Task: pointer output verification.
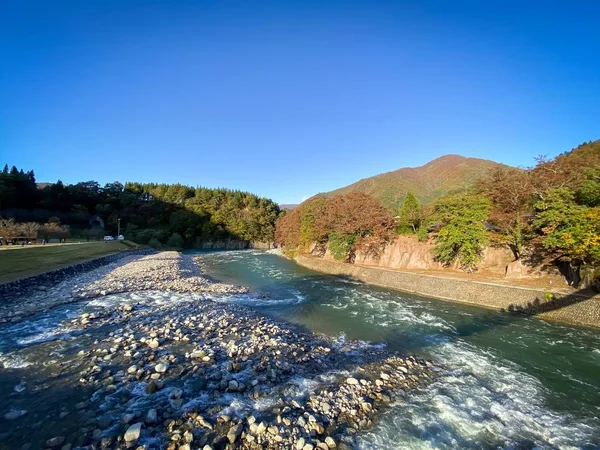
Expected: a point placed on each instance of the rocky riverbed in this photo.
(166, 271)
(150, 359)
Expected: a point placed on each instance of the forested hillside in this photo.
(156, 214)
(433, 180)
(549, 214)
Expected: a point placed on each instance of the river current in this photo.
(509, 381)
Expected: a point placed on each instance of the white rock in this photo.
(133, 432)
(161, 367)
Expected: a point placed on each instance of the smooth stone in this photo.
(55, 441)
(151, 416)
(151, 387)
(133, 432)
(330, 442)
(161, 367)
(351, 381)
(15, 414)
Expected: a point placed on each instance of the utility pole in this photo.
(118, 226)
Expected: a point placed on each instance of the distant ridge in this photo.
(288, 207)
(428, 182)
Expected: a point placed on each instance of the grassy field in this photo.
(20, 262)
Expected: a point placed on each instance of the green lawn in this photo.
(20, 262)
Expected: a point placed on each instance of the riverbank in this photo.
(144, 354)
(17, 262)
(579, 308)
(137, 270)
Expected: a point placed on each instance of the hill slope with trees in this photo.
(548, 215)
(438, 177)
(157, 214)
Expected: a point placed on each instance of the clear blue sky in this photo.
(290, 98)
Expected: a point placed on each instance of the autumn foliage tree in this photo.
(9, 230)
(346, 224)
(510, 191)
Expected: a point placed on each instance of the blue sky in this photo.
(290, 98)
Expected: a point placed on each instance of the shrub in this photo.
(175, 241)
(340, 245)
(155, 243)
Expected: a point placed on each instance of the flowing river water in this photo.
(507, 381)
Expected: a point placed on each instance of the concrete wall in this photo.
(577, 309)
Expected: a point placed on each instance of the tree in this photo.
(346, 223)
(511, 194)
(463, 235)
(589, 192)
(570, 230)
(175, 240)
(9, 230)
(410, 214)
(30, 230)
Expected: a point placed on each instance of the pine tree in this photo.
(410, 213)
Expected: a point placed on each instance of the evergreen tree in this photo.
(410, 214)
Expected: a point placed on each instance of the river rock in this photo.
(133, 432)
(161, 367)
(55, 441)
(15, 414)
(151, 417)
(330, 442)
(151, 387)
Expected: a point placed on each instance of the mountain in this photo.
(436, 178)
(288, 207)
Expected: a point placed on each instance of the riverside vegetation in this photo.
(159, 215)
(546, 215)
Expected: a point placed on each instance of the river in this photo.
(508, 381)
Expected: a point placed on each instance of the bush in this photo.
(340, 245)
(155, 243)
(422, 233)
(175, 241)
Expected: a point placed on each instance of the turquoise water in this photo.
(508, 381)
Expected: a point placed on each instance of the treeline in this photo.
(157, 214)
(550, 211)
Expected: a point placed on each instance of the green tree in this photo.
(410, 215)
(589, 192)
(175, 240)
(570, 230)
(463, 236)
(340, 245)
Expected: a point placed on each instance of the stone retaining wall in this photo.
(575, 308)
